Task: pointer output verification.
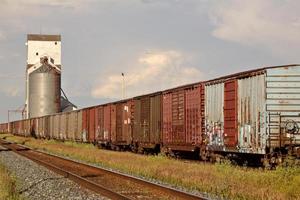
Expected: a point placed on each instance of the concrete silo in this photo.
(43, 75)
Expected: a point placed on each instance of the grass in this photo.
(7, 185)
(222, 180)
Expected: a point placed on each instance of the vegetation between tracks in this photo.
(7, 185)
(223, 180)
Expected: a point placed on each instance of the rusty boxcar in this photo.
(88, 124)
(183, 118)
(104, 115)
(254, 112)
(121, 124)
(147, 123)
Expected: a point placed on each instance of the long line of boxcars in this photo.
(249, 114)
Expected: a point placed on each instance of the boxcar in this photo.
(183, 118)
(121, 124)
(105, 124)
(102, 116)
(63, 128)
(88, 124)
(147, 123)
(72, 125)
(3, 128)
(255, 112)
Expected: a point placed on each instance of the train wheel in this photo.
(164, 151)
(204, 154)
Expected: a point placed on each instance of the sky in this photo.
(157, 44)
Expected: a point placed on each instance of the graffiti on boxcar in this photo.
(215, 134)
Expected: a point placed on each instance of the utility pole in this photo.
(123, 85)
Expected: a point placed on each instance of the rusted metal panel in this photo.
(119, 122)
(137, 120)
(124, 114)
(56, 126)
(214, 115)
(72, 125)
(85, 124)
(167, 118)
(230, 113)
(3, 128)
(46, 126)
(178, 114)
(147, 120)
(142, 120)
(99, 117)
(128, 111)
(38, 127)
(155, 119)
(283, 105)
(194, 120)
(27, 127)
(113, 123)
(42, 127)
(51, 126)
(91, 124)
(34, 127)
(251, 114)
(63, 126)
(106, 123)
(79, 132)
(183, 117)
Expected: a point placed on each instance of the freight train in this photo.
(252, 115)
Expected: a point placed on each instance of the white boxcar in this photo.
(256, 111)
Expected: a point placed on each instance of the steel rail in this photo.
(78, 179)
(94, 186)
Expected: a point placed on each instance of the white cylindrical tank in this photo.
(44, 91)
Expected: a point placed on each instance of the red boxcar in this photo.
(103, 125)
(88, 124)
(183, 118)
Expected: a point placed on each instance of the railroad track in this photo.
(108, 183)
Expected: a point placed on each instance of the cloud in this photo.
(153, 71)
(2, 36)
(10, 91)
(269, 24)
(55, 3)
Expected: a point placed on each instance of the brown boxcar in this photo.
(27, 127)
(103, 125)
(147, 122)
(92, 128)
(3, 128)
(85, 124)
(121, 124)
(183, 118)
(88, 124)
(113, 122)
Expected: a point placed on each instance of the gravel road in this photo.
(36, 182)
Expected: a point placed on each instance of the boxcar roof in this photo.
(247, 73)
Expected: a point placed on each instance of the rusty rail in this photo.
(29, 153)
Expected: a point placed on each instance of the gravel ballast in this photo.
(35, 182)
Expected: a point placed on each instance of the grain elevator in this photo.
(43, 75)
